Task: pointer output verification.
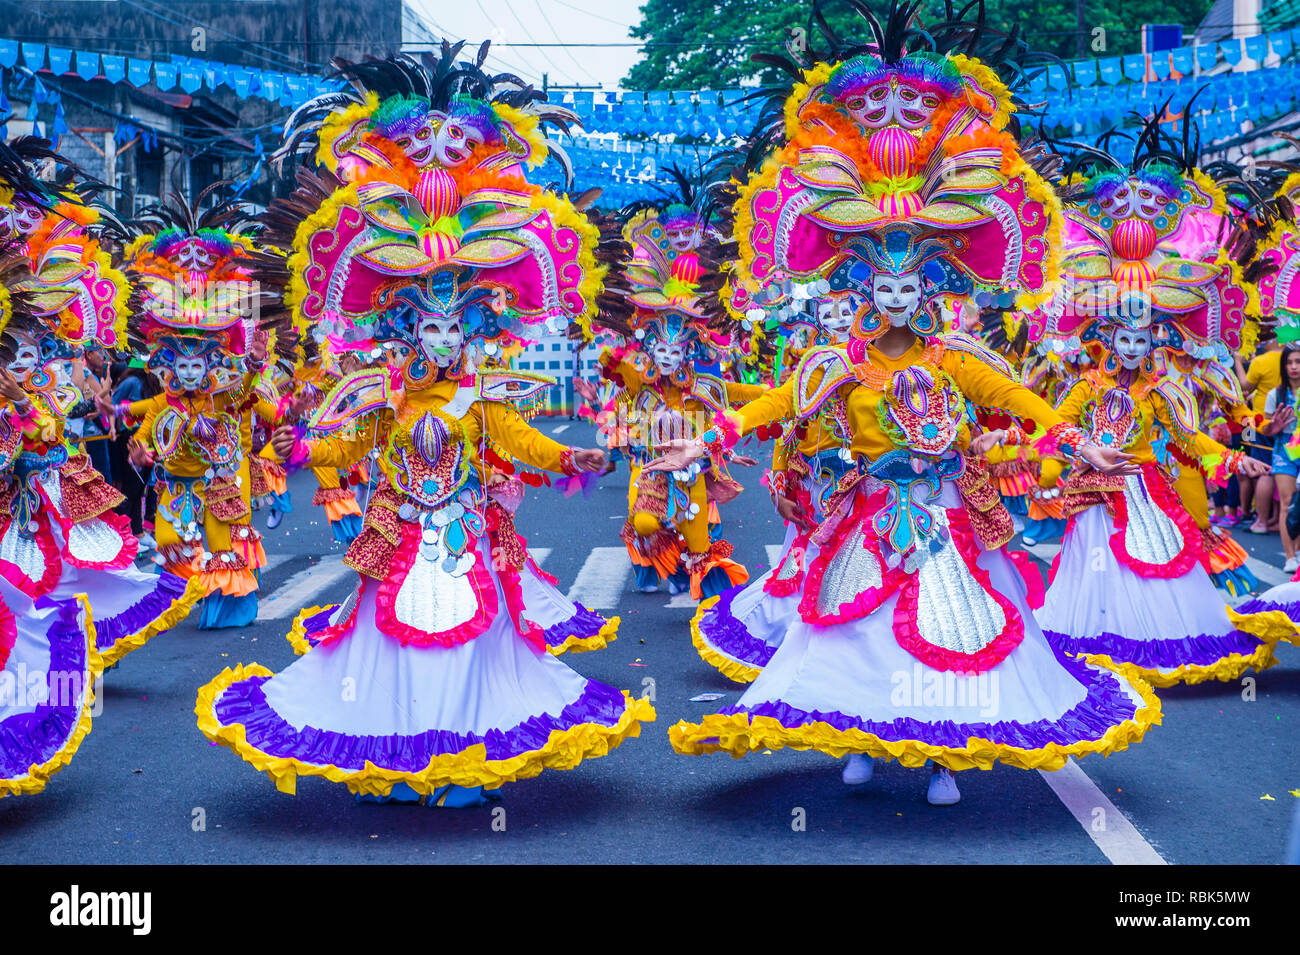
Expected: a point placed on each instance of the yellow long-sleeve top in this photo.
(1165, 402)
(690, 404)
(977, 381)
(183, 462)
(499, 421)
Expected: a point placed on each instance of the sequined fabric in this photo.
(790, 568)
(507, 548)
(1150, 536)
(373, 551)
(94, 541)
(328, 495)
(953, 611)
(224, 501)
(257, 485)
(652, 494)
(1082, 491)
(22, 551)
(852, 570)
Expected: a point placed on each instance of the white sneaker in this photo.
(943, 789)
(673, 589)
(859, 770)
(273, 519)
(650, 589)
(147, 542)
(1292, 564)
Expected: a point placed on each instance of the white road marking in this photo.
(773, 555)
(539, 554)
(300, 589)
(1044, 552)
(683, 599)
(1267, 572)
(1109, 828)
(562, 427)
(603, 578)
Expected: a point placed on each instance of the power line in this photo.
(449, 34)
(530, 68)
(550, 26)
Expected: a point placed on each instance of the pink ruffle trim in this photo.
(867, 601)
(386, 615)
(1031, 576)
(49, 549)
(8, 633)
(908, 634)
(1168, 502)
(126, 554)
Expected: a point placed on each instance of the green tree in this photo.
(707, 44)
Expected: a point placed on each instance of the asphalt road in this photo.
(1194, 791)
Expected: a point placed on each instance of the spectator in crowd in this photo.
(1257, 381)
(1279, 406)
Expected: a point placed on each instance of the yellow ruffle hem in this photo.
(38, 775)
(597, 641)
(173, 615)
(564, 750)
(1269, 625)
(739, 734)
(297, 635)
(731, 669)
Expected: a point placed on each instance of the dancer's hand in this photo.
(1108, 460)
(1281, 418)
(1251, 468)
(682, 453)
(983, 443)
(585, 389)
(589, 459)
(139, 455)
(744, 460)
(283, 440)
(257, 348)
(103, 398)
(792, 513)
(10, 389)
(299, 407)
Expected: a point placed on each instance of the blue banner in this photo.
(60, 60)
(139, 71)
(87, 65)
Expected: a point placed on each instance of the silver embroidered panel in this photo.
(23, 552)
(344, 610)
(852, 570)
(94, 541)
(433, 600)
(1151, 536)
(952, 610)
(790, 567)
(52, 483)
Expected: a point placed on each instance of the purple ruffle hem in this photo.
(244, 702)
(1105, 706)
(1204, 650)
(728, 635)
